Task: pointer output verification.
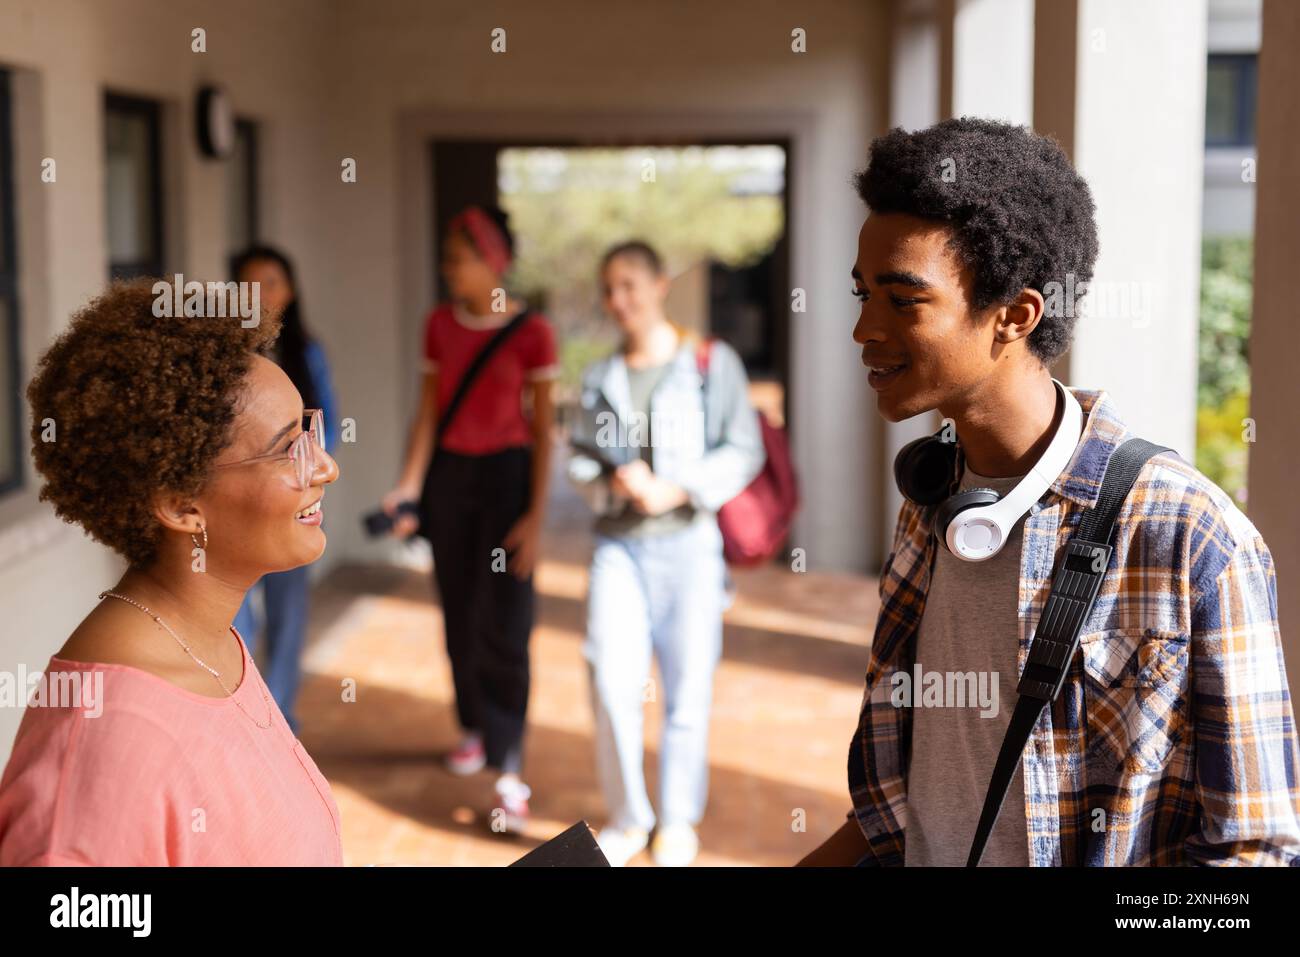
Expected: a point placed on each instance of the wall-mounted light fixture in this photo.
(215, 123)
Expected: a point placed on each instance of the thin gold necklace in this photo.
(197, 660)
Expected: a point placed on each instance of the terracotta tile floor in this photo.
(786, 700)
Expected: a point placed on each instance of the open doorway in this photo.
(717, 211)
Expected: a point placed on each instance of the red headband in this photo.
(486, 237)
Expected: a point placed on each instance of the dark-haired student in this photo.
(194, 458)
(487, 481)
(300, 355)
(1173, 740)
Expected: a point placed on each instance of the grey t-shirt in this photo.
(641, 383)
(970, 624)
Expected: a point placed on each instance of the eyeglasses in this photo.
(302, 453)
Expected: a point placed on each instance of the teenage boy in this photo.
(1173, 739)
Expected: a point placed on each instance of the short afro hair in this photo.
(1021, 215)
(139, 405)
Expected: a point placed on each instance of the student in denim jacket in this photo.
(659, 452)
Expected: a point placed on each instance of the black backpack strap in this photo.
(1075, 583)
(424, 508)
(472, 373)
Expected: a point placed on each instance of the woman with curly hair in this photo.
(178, 444)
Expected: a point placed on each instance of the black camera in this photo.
(380, 522)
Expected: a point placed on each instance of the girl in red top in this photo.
(484, 493)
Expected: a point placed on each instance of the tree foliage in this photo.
(1223, 382)
(567, 206)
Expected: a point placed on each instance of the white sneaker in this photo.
(621, 844)
(675, 845)
(513, 795)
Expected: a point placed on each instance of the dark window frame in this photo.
(1246, 66)
(9, 287)
(249, 128)
(151, 110)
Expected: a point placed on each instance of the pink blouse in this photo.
(161, 776)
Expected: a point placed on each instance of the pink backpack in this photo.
(755, 523)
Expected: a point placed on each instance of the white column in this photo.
(915, 79)
(993, 59)
(916, 46)
(1122, 86)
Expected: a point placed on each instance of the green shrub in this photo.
(1223, 375)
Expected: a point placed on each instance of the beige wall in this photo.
(346, 78)
(64, 54)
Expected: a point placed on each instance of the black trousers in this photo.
(488, 613)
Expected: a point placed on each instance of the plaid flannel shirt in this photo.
(1173, 740)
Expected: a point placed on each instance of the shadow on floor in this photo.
(387, 747)
(786, 700)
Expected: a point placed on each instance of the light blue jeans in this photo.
(660, 595)
(286, 595)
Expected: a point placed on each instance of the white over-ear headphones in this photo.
(974, 523)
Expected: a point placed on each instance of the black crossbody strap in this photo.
(472, 373)
(1121, 472)
(1075, 582)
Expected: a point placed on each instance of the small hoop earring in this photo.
(204, 546)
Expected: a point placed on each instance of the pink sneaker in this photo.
(469, 756)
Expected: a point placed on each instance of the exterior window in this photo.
(1230, 82)
(241, 189)
(134, 187)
